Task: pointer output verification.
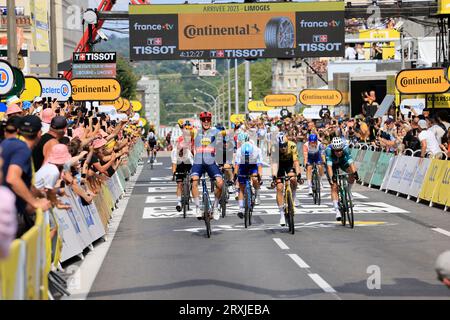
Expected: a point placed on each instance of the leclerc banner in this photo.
(59, 89)
(249, 30)
(95, 89)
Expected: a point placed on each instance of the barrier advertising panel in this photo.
(371, 168)
(411, 166)
(397, 173)
(387, 176)
(224, 31)
(419, 177)
(381, 169)
(431, 180)
(442, 193)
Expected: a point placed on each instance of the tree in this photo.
(127, 78)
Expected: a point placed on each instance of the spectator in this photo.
(14, 110)
(46, 116)
(429, 143)
(42, 150)
(443, 268)
(443, 118)
(350, 52)
(8, 220)
(360, 52)
(17, 170)
(436, 128)
(376, 52)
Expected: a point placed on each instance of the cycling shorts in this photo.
(198, 169)
(245, 170)
(314, 158)
(182, 170)
(284, 168)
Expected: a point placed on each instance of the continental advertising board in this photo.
(256, 30)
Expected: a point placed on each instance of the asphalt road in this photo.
(156, 254)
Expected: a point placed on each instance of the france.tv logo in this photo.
(4, 78)
(64, 90)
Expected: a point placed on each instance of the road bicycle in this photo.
(345, 199)
(225, 196)
(186, 193)
(207, 207)
(249, 200)
(316, 185)
(288, 202)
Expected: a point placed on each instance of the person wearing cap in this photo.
(428, 141)
(14, 110)
(42, 150)
(442, 267)
(46, 116)
(17, 171)
(12, 127)
(37, 105)
(96, 163)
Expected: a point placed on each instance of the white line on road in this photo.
(281, 244)
(321, 283)
(442, 231)
(302, 264)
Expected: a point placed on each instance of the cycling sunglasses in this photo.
(206, 120)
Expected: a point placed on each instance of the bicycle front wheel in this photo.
(223, 200)
(342, 205)
(185, 196)
(206, 216)
(290, 212)
(247, 200)
(350, 216)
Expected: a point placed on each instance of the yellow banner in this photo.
(40, 24)
(280, 100)
(430, 80)
(95, 89)
(443, 7)
(32, 90)
(316, 97)
(258, 106)
(126, 105)
(388, 47)
(432, 180)
(442, 193)
(137, 105)
(236, 118)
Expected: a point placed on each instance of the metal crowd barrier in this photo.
(25, 272)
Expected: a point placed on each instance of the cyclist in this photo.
(338, 156)
(313, 152)
(182, 159)
(225, 154)
(248, 162)
(151, 144)
(284, 160)
(204, 161)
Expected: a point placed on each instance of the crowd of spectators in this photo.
(47, 147)
(423, 134)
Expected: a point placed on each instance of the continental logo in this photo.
(414, 81)
(280, 100)
(310, 97)
(192, 31)
(95, 89)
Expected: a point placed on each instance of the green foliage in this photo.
(127, 79)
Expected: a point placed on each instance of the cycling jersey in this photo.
(248, 165)
(342, 162)
(182, 153)
(205, 153)
(313, 154)
(290, 155)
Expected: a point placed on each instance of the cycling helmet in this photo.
(180, 123)
(220, 127)
(187, 124)
(282, 140)
(243, 137)
(247, 149)
(151, 135)
(205, 115)
(337, 143)
(312, 137)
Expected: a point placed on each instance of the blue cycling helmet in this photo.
(220, 127)
(247, 149)
(26, 105)
(243, 137)
(312, 137)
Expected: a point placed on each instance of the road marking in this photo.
(321, 283)
(442, 231)
(299, 261)
(281, 244)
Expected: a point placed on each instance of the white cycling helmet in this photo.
(337, 143)
(151, 135)
(281, 138)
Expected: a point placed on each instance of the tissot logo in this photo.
(192, 31)
(320, 24)
(154, 27)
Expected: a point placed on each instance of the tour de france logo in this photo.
(279, 33)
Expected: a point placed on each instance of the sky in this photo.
(122, 5)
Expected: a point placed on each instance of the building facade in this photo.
(150, 99)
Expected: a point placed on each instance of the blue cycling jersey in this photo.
(343, 162)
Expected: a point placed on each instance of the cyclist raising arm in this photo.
(182, 159)
(284, 161)
(151, 150)
(248, 162)
(204, 161)
(338, 156)
(313, 152)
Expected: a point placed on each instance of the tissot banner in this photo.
(257, 30)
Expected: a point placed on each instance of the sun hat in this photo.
(423, 124)
(13, 100)
(98, 143)
(59, 154)
(13, 108)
